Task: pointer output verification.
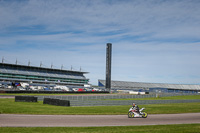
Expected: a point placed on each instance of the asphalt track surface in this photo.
(18, 120)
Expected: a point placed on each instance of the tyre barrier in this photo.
(56, 102)
(26, 99)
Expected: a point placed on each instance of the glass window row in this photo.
(44, 78)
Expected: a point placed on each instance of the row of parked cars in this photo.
(29, 87)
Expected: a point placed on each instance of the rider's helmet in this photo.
(133, 104)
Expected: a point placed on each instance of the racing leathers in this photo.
(136, 109)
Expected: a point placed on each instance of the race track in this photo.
(17, 120)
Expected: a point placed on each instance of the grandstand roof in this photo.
(135, 85)
(40, 68)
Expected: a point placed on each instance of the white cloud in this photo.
(98, 15)
(152, 40)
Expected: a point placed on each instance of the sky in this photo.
(154, 41)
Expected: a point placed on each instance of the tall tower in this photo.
(108, 65)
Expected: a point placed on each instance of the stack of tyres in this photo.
(64, 103)
(56, 102)
(25, 99)
(46, 100)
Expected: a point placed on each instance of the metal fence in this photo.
(127, 102)
(108, 96)
(108, 100)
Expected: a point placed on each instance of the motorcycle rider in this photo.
(136, 108)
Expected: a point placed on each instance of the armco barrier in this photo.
(127, 102)
(25, 99)
(99, 100)
(107, 96)
(56, 102)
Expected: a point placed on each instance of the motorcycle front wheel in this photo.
(130, 114)
(144, 115)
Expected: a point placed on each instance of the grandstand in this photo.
(13, 73)
(151, 87)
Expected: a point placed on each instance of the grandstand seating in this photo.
(43, 74)
(13, 71)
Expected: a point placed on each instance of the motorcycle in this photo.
(133, 113)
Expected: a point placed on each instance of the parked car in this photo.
(80, 89)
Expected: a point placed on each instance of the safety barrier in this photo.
(56, 102)
(127, 102)
(25, 99)
(108, 96)
(108, 100)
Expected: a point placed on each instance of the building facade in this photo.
(152, 87)
(14, 73)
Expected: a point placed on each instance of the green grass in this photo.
(180, 128)
(9, 106)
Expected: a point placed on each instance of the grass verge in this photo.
(180, 128)
(9, 106)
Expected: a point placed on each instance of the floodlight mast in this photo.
(108, 66)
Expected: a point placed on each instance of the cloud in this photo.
(101, 16)
(152, 40)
